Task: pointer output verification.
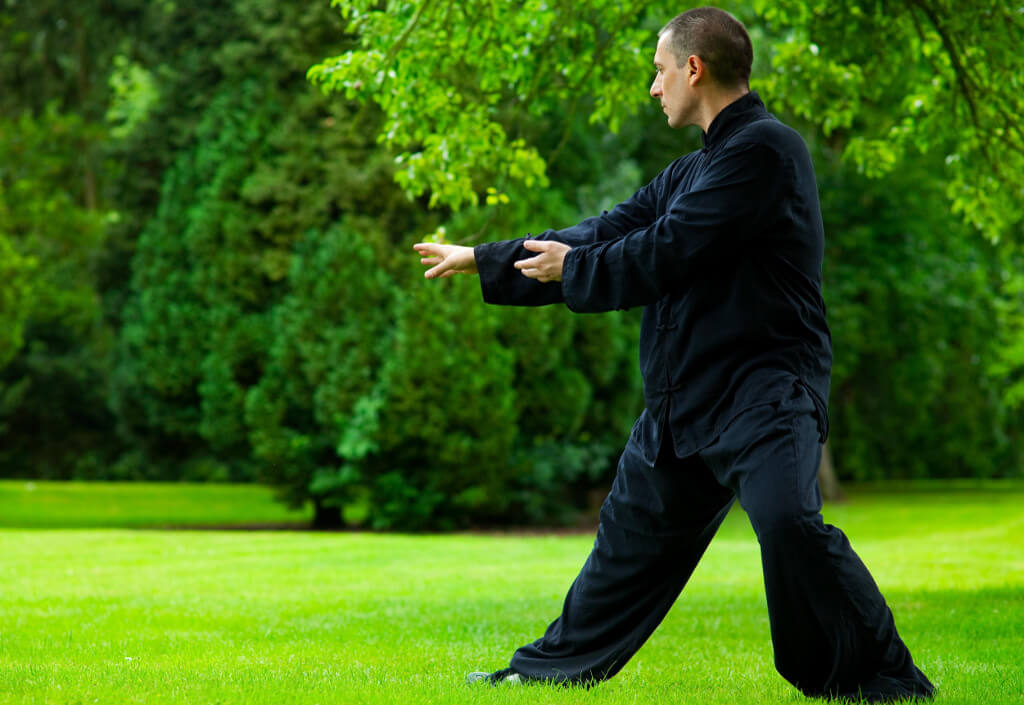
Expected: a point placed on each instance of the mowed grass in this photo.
(49, 505)
(123, 616)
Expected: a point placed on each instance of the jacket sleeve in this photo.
(639, 211)
(501, 283)
(738, 196)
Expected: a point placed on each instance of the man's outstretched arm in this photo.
(526, 271)
(501, 280)
(743, 196)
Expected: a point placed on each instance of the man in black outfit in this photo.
(723, 249)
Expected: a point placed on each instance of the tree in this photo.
(53, 343)
(460, 82)
(237, 140)
(270, 330)
(16, 270)
(913, 299)
(931, 76)
(54, 63)
(890, 87)
(468, 88)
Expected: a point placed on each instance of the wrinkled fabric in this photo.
(832, 632)
(723, 249)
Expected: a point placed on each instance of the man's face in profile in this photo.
(671, 86)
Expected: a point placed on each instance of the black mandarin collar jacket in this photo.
(723, 250)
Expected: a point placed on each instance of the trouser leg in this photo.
(832, 631)
(656, 523)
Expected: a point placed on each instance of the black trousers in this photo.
(832, 632)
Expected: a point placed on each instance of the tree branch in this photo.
(567, 132)
(598, 56)
(961, 74)
(963, 77)
(402, 38)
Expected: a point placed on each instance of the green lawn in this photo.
(123, 616)
(49, 505)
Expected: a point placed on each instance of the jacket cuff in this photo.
(570, 288)
(492, 264)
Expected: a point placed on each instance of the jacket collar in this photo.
(732, 117)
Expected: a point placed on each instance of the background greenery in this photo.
(207, 264)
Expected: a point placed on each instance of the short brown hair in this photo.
(718, 38)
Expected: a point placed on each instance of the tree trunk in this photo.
(827, 479)
(326, 517)
(89, 175)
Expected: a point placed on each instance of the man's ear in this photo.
(694, 69)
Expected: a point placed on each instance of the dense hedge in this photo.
(280, 330)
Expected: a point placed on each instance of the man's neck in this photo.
(716, 102)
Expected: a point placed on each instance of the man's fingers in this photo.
(536, 245)
(528, 263)
(428, 248)
(437, 271)
(434, 256)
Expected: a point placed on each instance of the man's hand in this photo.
(446, 259)
(547, 266)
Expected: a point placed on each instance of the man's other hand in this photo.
(547, 266)
(446, 260)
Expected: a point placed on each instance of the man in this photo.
(724, 250)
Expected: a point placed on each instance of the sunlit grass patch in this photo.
(34, 504)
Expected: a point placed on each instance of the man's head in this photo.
(703, 55)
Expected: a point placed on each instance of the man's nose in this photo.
(656, 87)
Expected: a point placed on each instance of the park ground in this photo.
(95, 607)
